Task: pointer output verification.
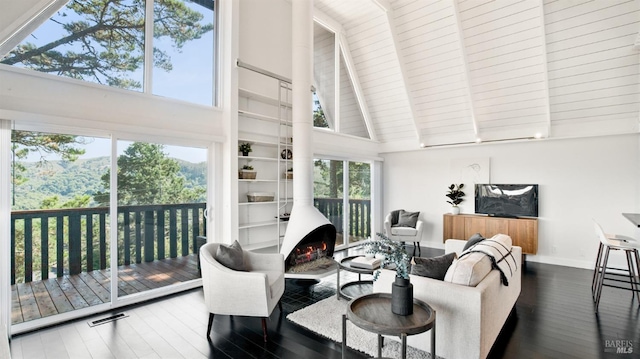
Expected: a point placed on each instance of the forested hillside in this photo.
(69, 180)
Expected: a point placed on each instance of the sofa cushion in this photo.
(231, 256)
(469, 270)
(407, 219)
(404, 231)
(473, 240)
(434, 267)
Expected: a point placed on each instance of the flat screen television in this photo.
(507, 200)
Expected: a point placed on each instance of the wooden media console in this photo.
(523, 231)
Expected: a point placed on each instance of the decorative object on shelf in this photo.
(289, 174)
(245, 148)
(260, 196)
(247, 172)
(285, 216)
(286, 154)
(394, 256)
(455, 195)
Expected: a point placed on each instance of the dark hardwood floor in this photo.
(553, 318)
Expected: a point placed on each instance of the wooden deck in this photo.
(39, 299)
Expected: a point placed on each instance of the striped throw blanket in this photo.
(498, 249)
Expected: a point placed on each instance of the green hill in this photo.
(81, 177)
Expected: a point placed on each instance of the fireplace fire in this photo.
(315, 245)
(308, 253)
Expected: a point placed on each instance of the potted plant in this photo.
(245, 148)
(247, 172)
(455, 197)
(394, 256)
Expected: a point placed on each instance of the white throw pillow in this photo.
(469, 270)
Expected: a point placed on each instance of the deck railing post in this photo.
(149, 253)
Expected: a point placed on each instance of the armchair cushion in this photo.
(231, 256)
(407, 219)
(403, 231)
(435, 267)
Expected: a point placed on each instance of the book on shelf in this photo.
(366, 263)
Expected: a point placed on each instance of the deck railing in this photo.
(79, 238)
(359, 215)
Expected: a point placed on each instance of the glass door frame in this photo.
(6, 126)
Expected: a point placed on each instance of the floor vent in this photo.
(107, 319)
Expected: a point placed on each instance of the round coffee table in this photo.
(363, 285)
(372, 312)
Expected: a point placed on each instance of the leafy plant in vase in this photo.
(455, 197)
(245, 148)
(394, 256)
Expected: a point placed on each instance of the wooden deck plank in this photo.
(60, 300)
(16, 309)
(43, 299)
(59, 295)
(28, 303)
(103, 294)
(72, 294)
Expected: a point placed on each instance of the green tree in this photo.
(319, 119)
(103, 40)
(147, 176)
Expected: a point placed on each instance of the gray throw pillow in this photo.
(231, 256)
(473, 240)
(408, 219)
(435, 267)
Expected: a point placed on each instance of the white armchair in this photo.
(253, 293)
(404, 234)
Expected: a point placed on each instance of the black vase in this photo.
(402, 297)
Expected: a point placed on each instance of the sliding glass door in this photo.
(60, 252)
(161, 207)
(350, 214)
(62, 235)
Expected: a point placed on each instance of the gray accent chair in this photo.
(254, 292)
(404, 234)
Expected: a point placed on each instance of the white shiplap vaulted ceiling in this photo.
(454, 71)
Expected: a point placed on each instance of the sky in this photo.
(191, 78)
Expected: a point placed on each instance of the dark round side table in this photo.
(363, 285)
(372, 312)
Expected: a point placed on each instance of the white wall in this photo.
(579, 180)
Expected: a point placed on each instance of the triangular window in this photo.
(344, 115)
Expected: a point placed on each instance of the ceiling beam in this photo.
(543, 40)
(384, 5)
(27, 23)
(357, 89)
(465, 65)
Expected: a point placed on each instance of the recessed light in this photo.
(422, 145)
(478, 140)
(538, 135)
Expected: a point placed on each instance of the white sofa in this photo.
(468, 319)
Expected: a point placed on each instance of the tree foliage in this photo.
(147, 176)
(27, 142)
(103, 40)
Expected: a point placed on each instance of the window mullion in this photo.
(148, 46)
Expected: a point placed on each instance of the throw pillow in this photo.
(435, 267)
(473, 240)
(408, 219)
(469, 270)
(231, 256)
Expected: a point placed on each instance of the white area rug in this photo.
(325, 318)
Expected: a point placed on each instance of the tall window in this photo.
(104, 42)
